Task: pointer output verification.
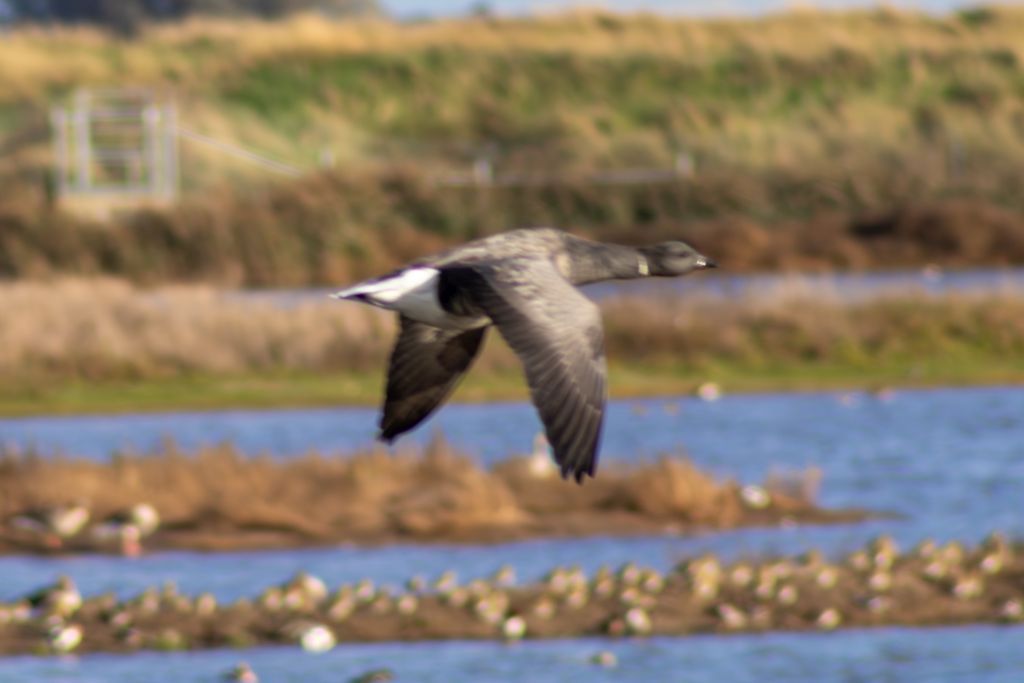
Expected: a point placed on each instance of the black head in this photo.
(669, 259)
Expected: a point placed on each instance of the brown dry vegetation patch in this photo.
(219, 499)
(331, 228)
(100, 330)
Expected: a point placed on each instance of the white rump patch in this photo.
(390, 290)
(412, 293)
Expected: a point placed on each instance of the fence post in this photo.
(150, 147)
(59, 122)
(956, 158)
(83, 142)
(483, 171)
(684, 166)
(170, 151)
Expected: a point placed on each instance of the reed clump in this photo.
(219, 499)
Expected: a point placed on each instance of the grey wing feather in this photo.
(556, 331)
(426, 364)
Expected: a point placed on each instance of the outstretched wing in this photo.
(426, 364)
(556, 332)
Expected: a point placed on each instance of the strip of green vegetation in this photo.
(302, 389)
(506, 95)
(572, 90)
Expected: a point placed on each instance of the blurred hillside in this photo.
(865, 139)
(126, 17)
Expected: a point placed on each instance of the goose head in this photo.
(670, 259)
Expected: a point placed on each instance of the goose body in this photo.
(524, 283)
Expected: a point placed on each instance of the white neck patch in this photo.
(642, 266)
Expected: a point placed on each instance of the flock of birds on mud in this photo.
(875, 585)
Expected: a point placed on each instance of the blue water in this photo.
(976, 654)
(722, 283)
(848, 286)
(409, 9)
(949, 462)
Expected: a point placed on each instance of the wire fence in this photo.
(239, 152)
(139, 135)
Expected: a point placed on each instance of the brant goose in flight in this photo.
(524, 283)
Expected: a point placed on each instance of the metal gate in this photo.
(115, 147)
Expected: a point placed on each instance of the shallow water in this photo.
(414, 9)
(849, 286)
(950, 462)
(976, 654)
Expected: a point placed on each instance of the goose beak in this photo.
(705, 262)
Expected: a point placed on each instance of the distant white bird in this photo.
(732, 617)
(514, 628)
(304, 591)
(829, 619)
(541, 464)
(375, 676)
(205, 604)
(505, 576)
(142, 515)
(61, 599)
(709, 391)
(55, 524)
(1012, 610)
(64, 638)
(125, 539)
(317, 639)
(407, 604)
(312, 637)
(242, 673)
(754, 496)
(787, 595)
(126, 528)
(604, 658)
(637, 621)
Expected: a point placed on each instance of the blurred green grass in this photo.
(595, 85)
(626, 380)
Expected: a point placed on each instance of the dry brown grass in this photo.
(330, 227)
(106, 328)
(219, 499)
(34, 61)
(792, 323)
(110, 330)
